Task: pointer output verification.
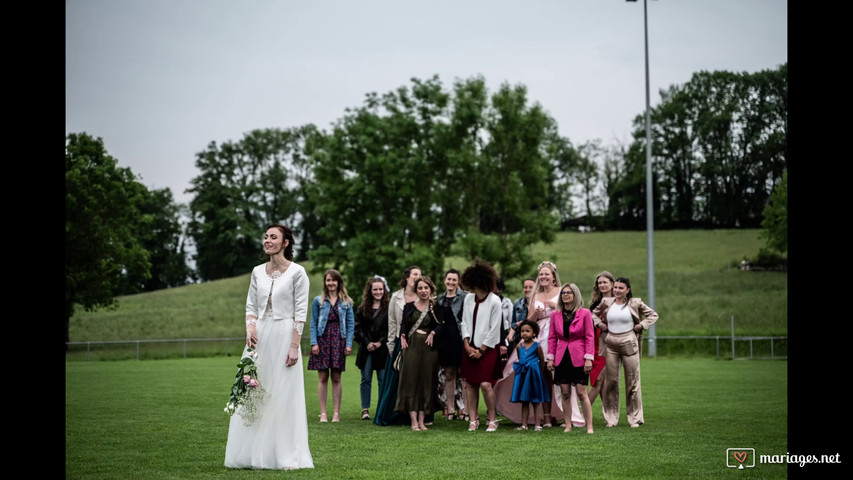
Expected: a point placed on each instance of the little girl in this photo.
(529, 384)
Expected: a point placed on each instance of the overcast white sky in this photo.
(159, 80)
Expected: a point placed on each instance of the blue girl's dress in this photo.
(529, 384)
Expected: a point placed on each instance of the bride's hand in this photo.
(292, 357)
(251, 336)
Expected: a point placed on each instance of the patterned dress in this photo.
(332, 345)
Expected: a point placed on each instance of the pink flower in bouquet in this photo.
(247, 379)
(253, 383)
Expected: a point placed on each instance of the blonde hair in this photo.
(537, 288)
(596, 293)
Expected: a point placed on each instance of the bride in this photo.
(276, 310)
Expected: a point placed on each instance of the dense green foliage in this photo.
(165, 420)
(120, 238)
(242, 188)
(103, 254)
(415, 175)
(164, 240)
(719, 147)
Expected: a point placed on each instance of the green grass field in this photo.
(163, 419)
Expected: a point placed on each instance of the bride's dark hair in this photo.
(288, 235)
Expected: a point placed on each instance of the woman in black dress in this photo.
(450, 347)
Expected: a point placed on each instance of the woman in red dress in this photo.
(481, 334)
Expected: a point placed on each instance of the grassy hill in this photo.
(698, 288)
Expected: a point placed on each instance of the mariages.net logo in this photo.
(741, 458)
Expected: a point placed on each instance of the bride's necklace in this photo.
(281, 266)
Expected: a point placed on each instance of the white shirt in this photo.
(619, 318)
(506, 312)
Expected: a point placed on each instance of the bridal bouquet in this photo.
(246, 393)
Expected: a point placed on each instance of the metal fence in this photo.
(752, 347)
(733, 347)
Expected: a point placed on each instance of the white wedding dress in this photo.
(278, 439)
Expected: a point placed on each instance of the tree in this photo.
(419, 173)
(103, 255)
(516, 178)
(719, 144)
(164, 239)
(775, 223)
(375, 174)
(243, 187)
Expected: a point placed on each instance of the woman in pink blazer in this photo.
(570, 351)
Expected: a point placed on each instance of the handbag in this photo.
(398, 362)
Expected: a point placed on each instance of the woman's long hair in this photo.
(367, 298)
(596, 293)
(342, 290)
(431, 303)
(537, 287)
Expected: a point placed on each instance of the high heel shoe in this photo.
(473, 425)
(336, 417)
(451, 416)
(323, 418)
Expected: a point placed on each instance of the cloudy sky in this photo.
(158, 80)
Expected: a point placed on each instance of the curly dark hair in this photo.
(532, 324)
(367, 298)
(480, 275)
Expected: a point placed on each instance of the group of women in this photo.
(423, 346)
(577, 344)
(454, 336)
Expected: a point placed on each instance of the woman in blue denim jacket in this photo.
(332, 329)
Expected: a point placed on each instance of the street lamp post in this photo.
(649, 201)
